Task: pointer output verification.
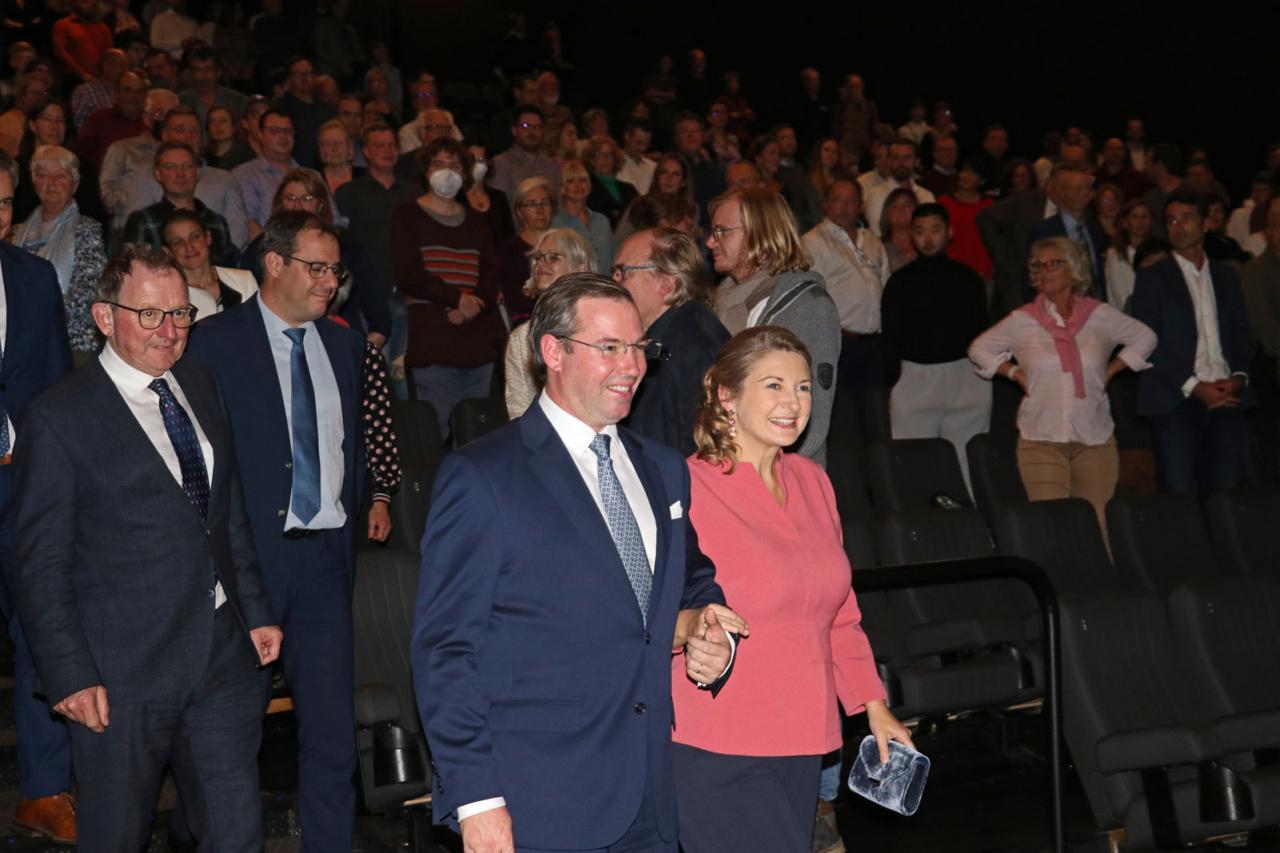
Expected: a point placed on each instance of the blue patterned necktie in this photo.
(182, 433)
(622, 526)
(306, 433)
(1083, 238)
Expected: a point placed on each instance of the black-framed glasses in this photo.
(535, 204)
(317, 269)
(549, 258)
(153, 318)
(617, 349)
(620, 270)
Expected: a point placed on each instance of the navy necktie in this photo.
(182, 433)
(306, 435)
(622, 526)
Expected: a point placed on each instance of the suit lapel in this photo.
(556, 470)
(347, 381)
(208, 414)
(261, 363)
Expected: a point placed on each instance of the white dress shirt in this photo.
(329, 416)
(1120, 276)
(638, 173)
(134, 388)
(855, 271)
(877, 197)
(1211, 364)
(1051, 411)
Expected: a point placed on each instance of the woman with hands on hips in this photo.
(748, 760)
(1059, 350)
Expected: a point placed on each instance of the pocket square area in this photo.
(677, 511)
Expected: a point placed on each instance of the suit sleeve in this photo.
(1148, 307)
(814, 319)
(1235, 328)
(40, 575)
(461, 562)
(57, 361)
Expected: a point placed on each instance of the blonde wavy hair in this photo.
(729, 372)
(773, 241)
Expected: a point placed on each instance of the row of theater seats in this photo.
(1171, 652)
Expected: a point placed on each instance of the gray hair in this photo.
(674, 253)
(556, 313)
(527, 186)
(578, 254)
(56, 155)
(1077, 259)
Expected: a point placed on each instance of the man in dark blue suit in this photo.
(1072, 191)
(34, 354)
(135, 575)
(559, 571)
(291, 381)
(1197, 387)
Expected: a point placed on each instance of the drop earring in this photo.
(733, 425)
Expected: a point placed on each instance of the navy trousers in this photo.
(311, 596)
(1199, 449)
(44, 745)
(210, 736)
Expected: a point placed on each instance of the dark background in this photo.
(1200, 75)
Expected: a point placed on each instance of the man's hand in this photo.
(378, 339)
(693, 623)
(1216, 395)
(267, 640)
(88, 707)
(885, 726)
(455, 316)
(488, 832)
(707, 657)
(470, 305)
(379, 521)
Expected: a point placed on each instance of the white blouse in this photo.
(1051, 411)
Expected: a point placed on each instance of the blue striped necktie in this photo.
(623, 526)
(306, 433)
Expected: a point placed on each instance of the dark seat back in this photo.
(1242, 525)
(1063, 538)
(993, 472)
(1160, 539)
(421, 450)
(476, 417)
(905, 474)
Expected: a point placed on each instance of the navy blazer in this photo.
(1054, 226)
(234, 343)
(536, 679)
(114, 569)
(36, 350)
(1162, 301)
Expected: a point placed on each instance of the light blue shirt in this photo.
(259, 181)
(329, 417)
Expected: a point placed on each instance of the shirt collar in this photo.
(575, 434)
(1068, 220)
(1190, 268)
(276, 326)
(131, 381)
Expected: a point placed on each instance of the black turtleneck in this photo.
(931, 311)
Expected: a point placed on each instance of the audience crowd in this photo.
(279, 164)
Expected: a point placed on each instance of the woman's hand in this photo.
(379, 521)
(885, 726)
(1016, 374)
(693, 623)
(1117, 364)
(470, 305)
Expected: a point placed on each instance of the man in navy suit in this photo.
(291, 380)
(1197, 387)
(34, 354)
(559, 571)
(1072, 190)
(136, 578)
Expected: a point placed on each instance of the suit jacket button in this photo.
(288, 464)
(647, 639)
(280, 513)
(639, 707)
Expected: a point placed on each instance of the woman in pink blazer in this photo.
(748, 759)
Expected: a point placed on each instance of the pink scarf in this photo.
(1064, 337)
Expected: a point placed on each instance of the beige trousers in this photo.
(1053, 470)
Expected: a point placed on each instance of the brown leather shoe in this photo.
(53, 817)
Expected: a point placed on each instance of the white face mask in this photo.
(445, 183)
(479, 170)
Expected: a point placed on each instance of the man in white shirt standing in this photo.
(637, 169)
(855, 266)
(903, 160)
(542, 664)
(1197, 389)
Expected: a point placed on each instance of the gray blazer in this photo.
(800, 303)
